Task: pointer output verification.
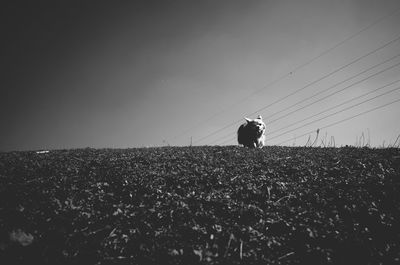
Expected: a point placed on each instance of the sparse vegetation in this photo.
(201, 205)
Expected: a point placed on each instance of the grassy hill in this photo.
(201, 205)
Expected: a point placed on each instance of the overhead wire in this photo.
(290, 72)
(343, 120)
(335, 85)
(334, 93)
(331, 94)
(332, 114)
(333, 107)
(326, 76)
(302, 88)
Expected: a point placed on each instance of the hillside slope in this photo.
(201, 205)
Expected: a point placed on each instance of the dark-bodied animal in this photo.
(252, 133)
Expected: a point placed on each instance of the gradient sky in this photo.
(123, 74)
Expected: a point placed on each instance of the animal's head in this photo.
(256, 125)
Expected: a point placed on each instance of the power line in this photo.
(332, 114)
(338, 105)
(346, 119)
(291, 72)
(331, 94)
(345, 102)
(335, 85)
(326, 76)
(302, 88)
(343, 120)
(334, 93)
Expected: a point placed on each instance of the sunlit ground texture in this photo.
(201, 205)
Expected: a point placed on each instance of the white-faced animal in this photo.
(252, 133)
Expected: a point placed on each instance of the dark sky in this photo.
(135, 73)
